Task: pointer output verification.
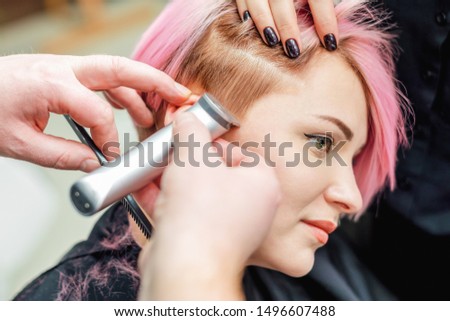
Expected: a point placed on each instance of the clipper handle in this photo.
(144, 162)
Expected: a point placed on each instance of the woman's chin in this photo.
(300, 269)
(294, 266)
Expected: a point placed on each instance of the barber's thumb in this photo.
(59, 153)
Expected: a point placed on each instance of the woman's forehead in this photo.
(329, 93)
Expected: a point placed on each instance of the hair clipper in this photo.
(142, 163)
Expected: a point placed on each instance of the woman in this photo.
(343, 103)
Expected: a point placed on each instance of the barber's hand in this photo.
(32, 86)
(208, 221)
(276, 20)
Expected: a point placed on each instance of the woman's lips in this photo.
(321, 229)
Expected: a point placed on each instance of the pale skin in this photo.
(33, 86)
(328, 99)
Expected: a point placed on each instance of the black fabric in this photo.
(86, 256)
(413, 263)
(423, 193)
(340, 276)
(408, 247)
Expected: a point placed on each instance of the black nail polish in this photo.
(330, 42)
(292, 48)
(271, 36)
(246, 15)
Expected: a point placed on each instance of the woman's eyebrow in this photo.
(339, 123)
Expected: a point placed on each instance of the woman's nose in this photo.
(344, 193)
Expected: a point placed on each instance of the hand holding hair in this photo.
(208, 222)
(277, 21)
(35, 85)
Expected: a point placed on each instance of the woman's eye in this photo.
(322, 143)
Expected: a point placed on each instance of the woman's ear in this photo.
(172, 110)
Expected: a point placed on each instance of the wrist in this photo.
(186, 271)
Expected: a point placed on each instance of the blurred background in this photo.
(38, 222)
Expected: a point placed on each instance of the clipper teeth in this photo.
(138, 216)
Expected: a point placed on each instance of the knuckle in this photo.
(46, 73)
(326, 23)
(163, 80)
(62, 161)
(17, 147)
(50, 79)
(277, 2)
(260, 17)
(117, 66)
(286, 28)
(43, 66)
(104, 116)
(107, 115)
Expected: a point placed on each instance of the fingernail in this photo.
(330, 42)
(292, 48)
(182, 90)
(271, 36)
(89, 165)
(246, 15)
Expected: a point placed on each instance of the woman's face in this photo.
(312, 133)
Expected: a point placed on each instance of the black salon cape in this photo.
(338, 274)
(408, 243)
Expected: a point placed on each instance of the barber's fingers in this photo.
(89, 110)
(112, 101)
(231, 153)
(55, 152)
(285, 17)
(190, 136)
(245, 160)
(264, 181)
(262, 17)
(249, 166)
(105, 72)
(127, 98)
(325, 22)
(172, 111)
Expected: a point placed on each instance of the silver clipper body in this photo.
(144, 162)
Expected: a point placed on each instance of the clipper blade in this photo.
(138, 215)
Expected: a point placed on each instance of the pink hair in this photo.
(176, 30)
(174, 37)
